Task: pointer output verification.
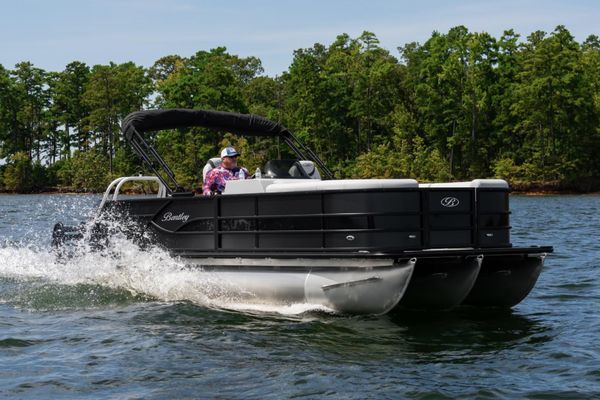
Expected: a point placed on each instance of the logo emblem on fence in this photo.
(449, 202)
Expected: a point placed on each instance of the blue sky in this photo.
(53, 33)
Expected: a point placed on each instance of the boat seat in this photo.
(214, 162)
(310, 169)
(294, 172)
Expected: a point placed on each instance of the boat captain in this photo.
(215, 178)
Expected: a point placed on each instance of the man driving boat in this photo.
(215, 180)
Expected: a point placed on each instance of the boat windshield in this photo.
(284, 169)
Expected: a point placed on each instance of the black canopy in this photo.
(137, 123)
(243, 124)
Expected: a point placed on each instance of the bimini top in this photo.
(136, 124)
(243, 124)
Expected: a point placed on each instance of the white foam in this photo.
(288, 310)
(125, 266)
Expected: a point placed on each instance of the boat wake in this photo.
(38, 278)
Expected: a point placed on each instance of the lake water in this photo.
(132, 324)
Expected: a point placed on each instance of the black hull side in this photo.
(361, 220)
(504, 281)
(441, 283)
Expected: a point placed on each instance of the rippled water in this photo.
(132, 324)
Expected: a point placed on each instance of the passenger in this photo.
(214, 182)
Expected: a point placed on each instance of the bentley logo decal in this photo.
(168, 216)
(449, 202)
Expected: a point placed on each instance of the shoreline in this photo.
(584, 186)
(553, 193)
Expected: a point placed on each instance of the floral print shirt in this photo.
(217, 177)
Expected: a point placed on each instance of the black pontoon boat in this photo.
(356, 246)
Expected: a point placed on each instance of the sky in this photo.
(51, 34)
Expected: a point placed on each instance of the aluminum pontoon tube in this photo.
(353, 286)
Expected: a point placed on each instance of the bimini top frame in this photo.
(140, 122)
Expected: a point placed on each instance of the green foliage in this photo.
(89, 171)
(62, 170)
(556, 118)
(25, 105)
(18, 173)
(505, 168)
(208, 80)
(69, 107)
(459, 106)
(343, 95)
(126, 162)
(379, 163)
(7, 110)
(21, 175)
(113, 91)
(40, 177)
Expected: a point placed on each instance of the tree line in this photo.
(459, 106)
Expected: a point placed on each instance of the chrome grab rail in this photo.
(119, 182)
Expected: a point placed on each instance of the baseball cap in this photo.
(229, 152)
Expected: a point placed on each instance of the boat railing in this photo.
(118, 183)
(353, 218)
